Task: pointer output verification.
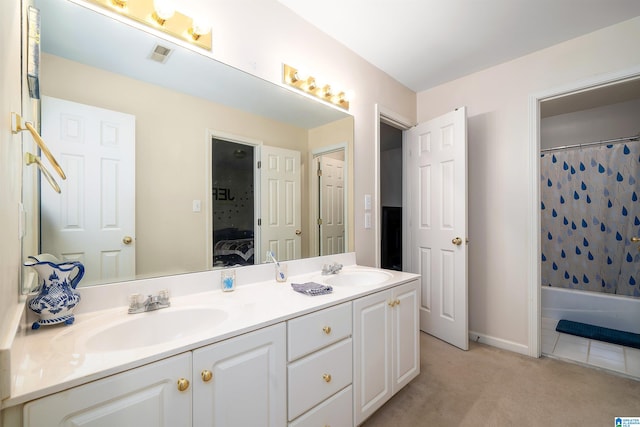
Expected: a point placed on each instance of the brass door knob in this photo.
(326, 377)
(298, 232)
(327, 330)
(206, 375)
(127, 240)
(183, 384)
(457, 241)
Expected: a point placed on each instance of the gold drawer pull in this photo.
(392, 303)
(183, 384)
(327, 330)
(326, 377)
(397, 302)
(206, 375)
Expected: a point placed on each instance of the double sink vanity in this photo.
(260, 355)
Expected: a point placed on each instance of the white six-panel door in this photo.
(331, 206)
(93, 218)
(437, 181)
(280, 203)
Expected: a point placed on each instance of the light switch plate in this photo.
(197, 206)
(367, 220)
(367, 202)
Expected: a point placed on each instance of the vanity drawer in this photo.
(318, 376)
(336, 411)
(316, 330)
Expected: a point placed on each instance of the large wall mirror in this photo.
(172, 191)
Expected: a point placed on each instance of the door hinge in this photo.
(259, 222)
(259, 164)
(319, 172)
(319, 221)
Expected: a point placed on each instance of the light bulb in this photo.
(199, 28)
(165, 9)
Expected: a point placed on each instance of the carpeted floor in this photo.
(486, 386)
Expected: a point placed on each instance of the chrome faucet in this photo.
(331, 268)
(151, 303)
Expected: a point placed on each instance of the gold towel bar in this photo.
(18, 125)
(31, 158)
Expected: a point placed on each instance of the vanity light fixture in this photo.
(161, 15)
(309, 85)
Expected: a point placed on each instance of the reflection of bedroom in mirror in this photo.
(233, 203)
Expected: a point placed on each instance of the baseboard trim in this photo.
(499, 343)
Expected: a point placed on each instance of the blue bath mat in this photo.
(628, 339)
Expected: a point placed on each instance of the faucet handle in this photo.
(163, 295)
(135, 300)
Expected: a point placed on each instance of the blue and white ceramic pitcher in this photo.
(57, 296)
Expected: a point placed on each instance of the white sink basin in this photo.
(153, 328)
(358, 278)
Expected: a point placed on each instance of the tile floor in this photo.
(611, 357)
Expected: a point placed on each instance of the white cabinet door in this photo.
(147, 396)
(386, 346)
(247, 386)
(406, 334)
(372, 353)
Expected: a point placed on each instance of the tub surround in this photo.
(56, 358)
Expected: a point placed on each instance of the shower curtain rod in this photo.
(587, 144)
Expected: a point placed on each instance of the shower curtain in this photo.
(590, 211)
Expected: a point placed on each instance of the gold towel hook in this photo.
(30, 159)
(18, 125)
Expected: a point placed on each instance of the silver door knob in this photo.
(457, 241)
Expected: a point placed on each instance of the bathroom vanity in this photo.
(261, 355)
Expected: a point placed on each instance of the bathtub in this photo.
(609, 311)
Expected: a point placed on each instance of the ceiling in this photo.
(423, 43)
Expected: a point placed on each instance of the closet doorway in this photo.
(391, 196)
(585, 136)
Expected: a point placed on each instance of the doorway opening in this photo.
(389, 210)
(565, 120)
(391, 196)
(233, 195)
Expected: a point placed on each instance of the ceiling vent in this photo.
(160, 54)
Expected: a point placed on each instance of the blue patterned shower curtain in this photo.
(590, 211)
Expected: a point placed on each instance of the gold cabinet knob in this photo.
(326, 377)
(397, 302)
(635, 239)
(392, 303)
(206, 375)
(327, 330)
(457, 241)
(183, 384)
(127, 240)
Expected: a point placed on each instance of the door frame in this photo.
(313, 191)
(256, 144)
(390, 117)
(535, 306)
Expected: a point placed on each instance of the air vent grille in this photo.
(160, 54)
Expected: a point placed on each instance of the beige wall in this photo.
(499, 165)
(171, 156)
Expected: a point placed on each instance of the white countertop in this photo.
(55, 358)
